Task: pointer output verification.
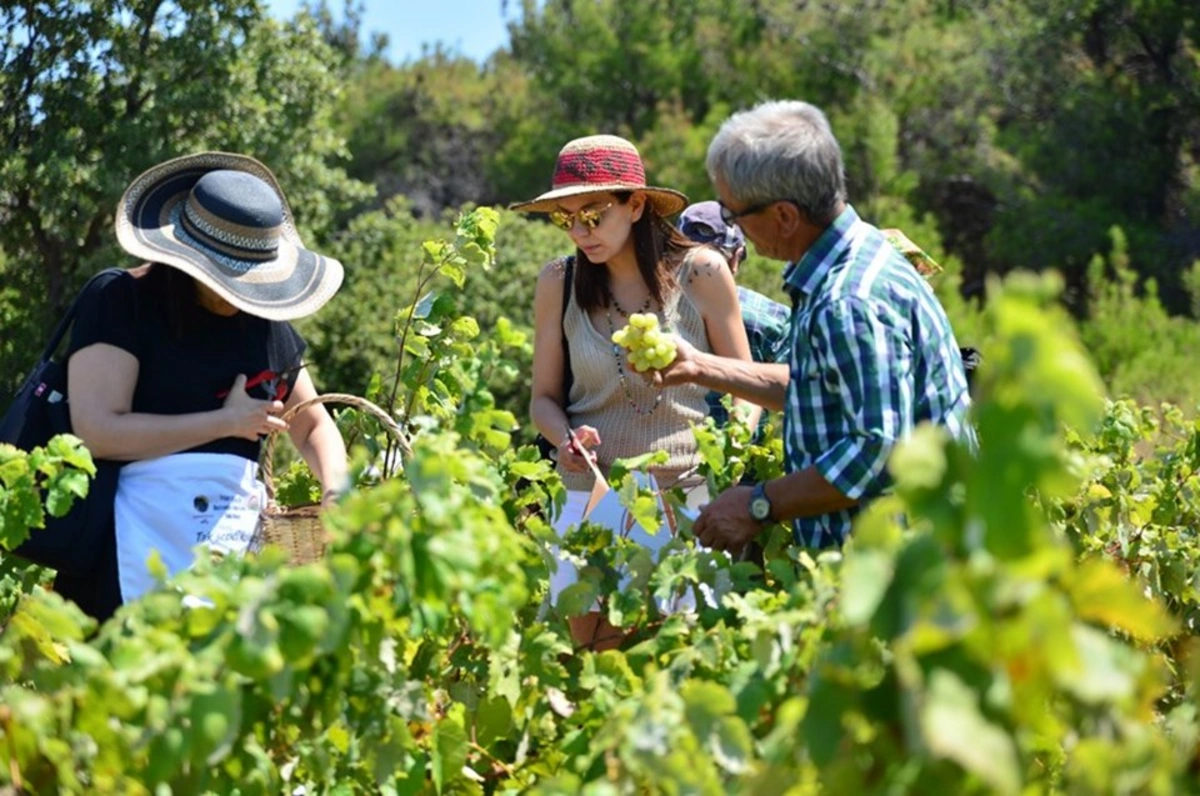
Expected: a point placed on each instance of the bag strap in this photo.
(568, 375)
(64, 324)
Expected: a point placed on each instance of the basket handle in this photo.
(389, 423)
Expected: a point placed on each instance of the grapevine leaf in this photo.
(955, 729)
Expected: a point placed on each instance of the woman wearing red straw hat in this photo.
(628, 260)
(179, 367)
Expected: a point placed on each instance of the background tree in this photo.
(1102, 112)
(426, 130)
(1001, 135)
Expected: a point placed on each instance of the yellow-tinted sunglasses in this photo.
(590, 217)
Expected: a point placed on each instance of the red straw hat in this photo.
(601, 164)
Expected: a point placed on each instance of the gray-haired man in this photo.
(871, 352)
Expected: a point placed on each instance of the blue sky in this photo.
(476, 28)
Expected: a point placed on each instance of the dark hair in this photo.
(177, 297)
(659, 249)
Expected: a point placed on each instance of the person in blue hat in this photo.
(766, 321)
(178, 368)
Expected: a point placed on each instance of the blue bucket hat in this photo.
(222, 219)
(702, 223)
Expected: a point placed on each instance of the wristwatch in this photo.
(760, 504)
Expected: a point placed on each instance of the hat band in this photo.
(599, 168)
(242, 247)
(237, 260)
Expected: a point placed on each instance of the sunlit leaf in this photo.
(449, 753)
(866, 576)
(1104, 594)
(954, 728)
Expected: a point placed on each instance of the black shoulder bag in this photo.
(545, 446)
(39, 411)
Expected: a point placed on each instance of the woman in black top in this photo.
(181, 366)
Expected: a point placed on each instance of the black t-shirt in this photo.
(192, 372)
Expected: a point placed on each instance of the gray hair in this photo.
(781, 150)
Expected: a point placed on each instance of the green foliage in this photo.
(426, 132)
(261, 677)
(1138, 503)
(1104, 94)
(987, 644)
(977, 654)
(999, 135)
(1137, 345)
(45, 479)
(356, 335)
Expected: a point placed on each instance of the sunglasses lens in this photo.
(589, 217)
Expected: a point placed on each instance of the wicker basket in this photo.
(298, 529)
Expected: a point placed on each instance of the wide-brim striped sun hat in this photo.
(222, 219)
(601, 164)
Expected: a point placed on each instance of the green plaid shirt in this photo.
(767, 325)
(871, 356)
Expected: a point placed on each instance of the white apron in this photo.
(174, 503)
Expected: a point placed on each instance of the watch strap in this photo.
(758, 497)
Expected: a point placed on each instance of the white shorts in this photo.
(564, 572)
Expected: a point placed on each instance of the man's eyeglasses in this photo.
(590, 217)
(730, 217)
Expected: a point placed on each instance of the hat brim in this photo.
(295, 283)
(926, 266)
(666, 202)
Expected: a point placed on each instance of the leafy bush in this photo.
(57, 473)
(1139, 348)
(988, 644)
(356, 335)
(45, 481)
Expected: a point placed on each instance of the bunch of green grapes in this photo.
(648, 347)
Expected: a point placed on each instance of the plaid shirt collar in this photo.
(802, 277)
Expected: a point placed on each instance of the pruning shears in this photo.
(276, 384)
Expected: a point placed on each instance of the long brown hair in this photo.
(659, 249)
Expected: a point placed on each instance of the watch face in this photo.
(760, 508)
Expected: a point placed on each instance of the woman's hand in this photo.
(317, 438)
(103, 415)
(572, 458)
(331, 497)
(250, 418)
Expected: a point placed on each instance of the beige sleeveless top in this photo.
(602, 399)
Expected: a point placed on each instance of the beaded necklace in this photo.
(618, 355)
(612, 302)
